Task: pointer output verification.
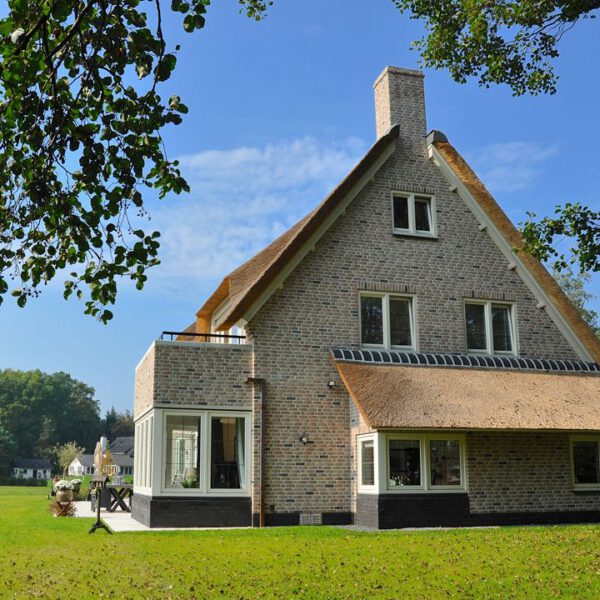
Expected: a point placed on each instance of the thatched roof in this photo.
(419, 397)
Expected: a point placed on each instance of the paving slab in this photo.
(121, 521)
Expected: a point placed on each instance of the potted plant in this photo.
(75, 485)
(64, 491)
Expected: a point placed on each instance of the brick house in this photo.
(388, 361)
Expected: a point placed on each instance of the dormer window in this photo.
(413, 214)
(386, 321)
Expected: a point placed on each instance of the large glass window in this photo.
(404, 457)
(367, 462)
(227, 458)
(489, 327)
(413, 214)
(386, 320)
(444, 461)
(182, 460)
(586, 462)
(419, 462)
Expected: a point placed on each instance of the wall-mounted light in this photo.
(331, 384)
(304, 439)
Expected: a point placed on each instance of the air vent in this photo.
(311, 519)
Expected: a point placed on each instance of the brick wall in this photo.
(523, 472)
(144, 384)
(194, 375)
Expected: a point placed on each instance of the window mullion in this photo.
(412, 323)
(488, 328)
(425, 462)
(411, 214)
(386, 321)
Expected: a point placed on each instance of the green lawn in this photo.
(43, 556)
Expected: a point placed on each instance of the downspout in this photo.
(261, 484)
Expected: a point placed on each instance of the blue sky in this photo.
(279, 112)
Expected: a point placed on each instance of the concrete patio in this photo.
(120, 521)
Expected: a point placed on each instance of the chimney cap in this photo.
(398, 71)
(436, 136)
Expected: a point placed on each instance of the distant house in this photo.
(122, 445)
(82, 465)
(124, 462)
(121, 450)
(32, 468)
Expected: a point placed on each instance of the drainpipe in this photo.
(260, 382)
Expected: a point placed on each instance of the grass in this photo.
(46, 557)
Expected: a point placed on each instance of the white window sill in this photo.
(424, 491)
(485, 353)
(587, 488)
(417, 234)
(381, 347)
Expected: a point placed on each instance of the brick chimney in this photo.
(400, 100)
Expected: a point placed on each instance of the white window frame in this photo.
(245, 490)
(204, 467)
(412, 230)
(144, 455)
(583, 438)
(382, 469)
(404, 437)
(360, 439)
(385, 296)
(489, 335)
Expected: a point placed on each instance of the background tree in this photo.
(65, 454)
(8, 450)
(40, 410)
(573, 222)
(509, 42)
(118, 424)
(574, 286)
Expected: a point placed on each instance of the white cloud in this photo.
(513, 166)
(241, 200)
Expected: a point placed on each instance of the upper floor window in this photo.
(413, 214)
(386, 320)
(490, 327)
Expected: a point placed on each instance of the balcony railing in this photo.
(214, 338)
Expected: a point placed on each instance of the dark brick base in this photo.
(389, 511)
(178, 511)
(293, 518)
